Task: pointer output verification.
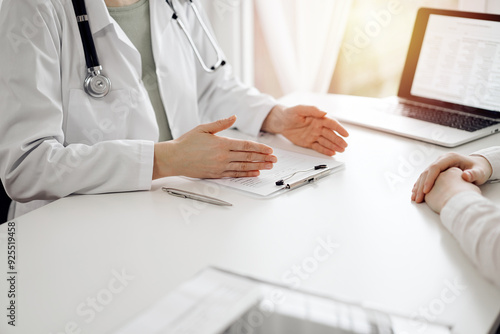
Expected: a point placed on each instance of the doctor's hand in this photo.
(307, 126)
(475, 169)
(448, 184)
(201, 154)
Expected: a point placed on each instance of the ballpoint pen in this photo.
(307, 180)
(197, 197)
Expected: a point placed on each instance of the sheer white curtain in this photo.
(304, 39)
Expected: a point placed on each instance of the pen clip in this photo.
(307, 180)
(299, 183)
(172, 192)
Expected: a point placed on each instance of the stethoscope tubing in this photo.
(220, 61)
(86, 34)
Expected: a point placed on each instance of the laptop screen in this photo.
(454, 61)
(460, 62)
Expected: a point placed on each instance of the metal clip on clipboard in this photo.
(306, 180)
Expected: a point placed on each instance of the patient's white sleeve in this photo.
(475, 222)
(492, 154)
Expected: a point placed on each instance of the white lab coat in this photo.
(55, 140)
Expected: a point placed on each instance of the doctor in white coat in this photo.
(56, 140)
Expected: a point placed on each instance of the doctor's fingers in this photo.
(251, 157)
(330, 146)
(238, 145)
(334, 125)
(334, 139)
(233, 173)
(246, 166)
(322, 149)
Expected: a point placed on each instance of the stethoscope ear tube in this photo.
(207, 68)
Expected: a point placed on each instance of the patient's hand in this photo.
(474, 169)
(448, 184)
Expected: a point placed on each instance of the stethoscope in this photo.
(98, 85)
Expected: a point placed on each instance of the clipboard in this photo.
(295, 168)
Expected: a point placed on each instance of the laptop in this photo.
(449, 92)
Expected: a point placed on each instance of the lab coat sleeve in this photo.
(34, 161)
(221, 94)
(475, 222)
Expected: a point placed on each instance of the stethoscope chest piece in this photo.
(96, 84)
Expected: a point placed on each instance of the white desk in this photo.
(392, 253)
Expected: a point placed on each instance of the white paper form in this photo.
(288, 163)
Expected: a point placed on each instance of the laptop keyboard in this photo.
(457, 121)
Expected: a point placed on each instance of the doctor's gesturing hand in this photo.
(307, 126)
(200, 153)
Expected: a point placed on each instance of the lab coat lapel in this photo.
(161, 17)
(98, 15)
(175, 67)
(162, 42)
